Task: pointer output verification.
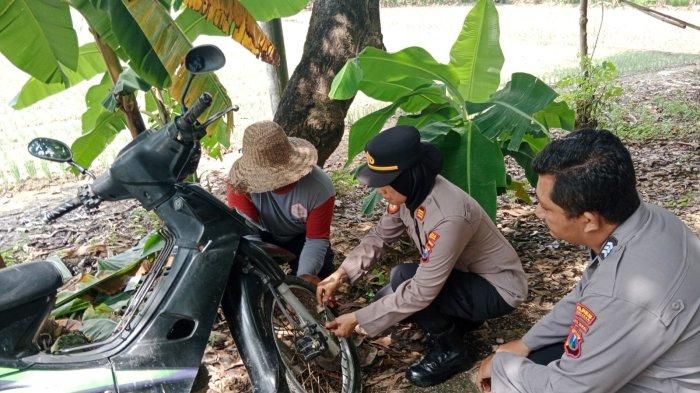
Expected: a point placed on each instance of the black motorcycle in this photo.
(212, 258)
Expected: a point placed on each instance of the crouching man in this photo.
(631, 324)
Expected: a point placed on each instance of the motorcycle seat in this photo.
(24, 283)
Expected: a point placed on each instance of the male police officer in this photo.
(468, 272)
(632, 323)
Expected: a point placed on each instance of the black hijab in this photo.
(416, 182)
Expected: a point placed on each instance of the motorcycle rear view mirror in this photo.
(204, 58)
(201, 60)
(53, 150)
(50, 149)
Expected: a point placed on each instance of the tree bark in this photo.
(584, 117)
(2, 263)
(583, 31)
(127, 103)
(278, 75)
(338, 31)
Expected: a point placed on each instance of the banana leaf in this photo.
(98, 329)
(90, 63)
(98, 20)
(39, 29)
(557, 115)
(511, 109)
(475, 164)
(124, 264)
(89, 145)
(396, 72)
(265, 10)
(476, 55)
(233, 18)
(138, 48)
(194, 24)
(170, 45)
(93, 100)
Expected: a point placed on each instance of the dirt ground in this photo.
(668, 171)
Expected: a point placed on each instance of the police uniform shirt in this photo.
(631, 324)
(451, 231)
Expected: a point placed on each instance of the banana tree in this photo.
(457, 106)
(139, 46)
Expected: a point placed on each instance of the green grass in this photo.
(30, 167)
(44, 165)
(14, 171)
(649, 61)
(681, 201)
(10, 256)
(635, 62)
(343, 181)
(662, 118)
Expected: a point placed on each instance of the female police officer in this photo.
(468, 272)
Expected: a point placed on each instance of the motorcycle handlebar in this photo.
(64, 208)
(185, 122)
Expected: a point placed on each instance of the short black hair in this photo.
(593, 172)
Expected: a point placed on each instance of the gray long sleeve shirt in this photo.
(632, 323)
(451, 231)
(305, 207)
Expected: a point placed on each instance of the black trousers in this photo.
(547, 354)
(466, 300)
(295, 246)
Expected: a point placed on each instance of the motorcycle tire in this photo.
(320, 375)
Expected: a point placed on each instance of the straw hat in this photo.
(270, 159)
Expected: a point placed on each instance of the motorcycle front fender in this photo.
(243, 305)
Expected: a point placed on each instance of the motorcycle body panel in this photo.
(162, 347)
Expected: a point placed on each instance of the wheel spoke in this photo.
(321, 375)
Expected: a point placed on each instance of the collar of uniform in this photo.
(604, 265)
(628, 229)
(623, 232)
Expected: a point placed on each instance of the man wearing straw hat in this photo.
(277, 185)
(467, 273)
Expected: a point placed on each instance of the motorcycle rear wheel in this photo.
(320, 375)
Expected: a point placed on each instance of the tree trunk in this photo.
(2, 262)
(583, 31)
(278, 75)
(584, 118)
(338, 31)
(127, 102)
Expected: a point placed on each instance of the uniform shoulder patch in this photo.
(420, 213)
(432, 238)
(583, 319)
(392, 209)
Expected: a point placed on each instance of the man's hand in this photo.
(517, 347)
(343, 326)
(483, 378)
(326, 288)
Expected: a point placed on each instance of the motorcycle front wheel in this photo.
(322, 374)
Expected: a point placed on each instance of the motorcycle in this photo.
(212, 258)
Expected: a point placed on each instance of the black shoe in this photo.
(447, 355)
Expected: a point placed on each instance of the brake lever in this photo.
(217, 115)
